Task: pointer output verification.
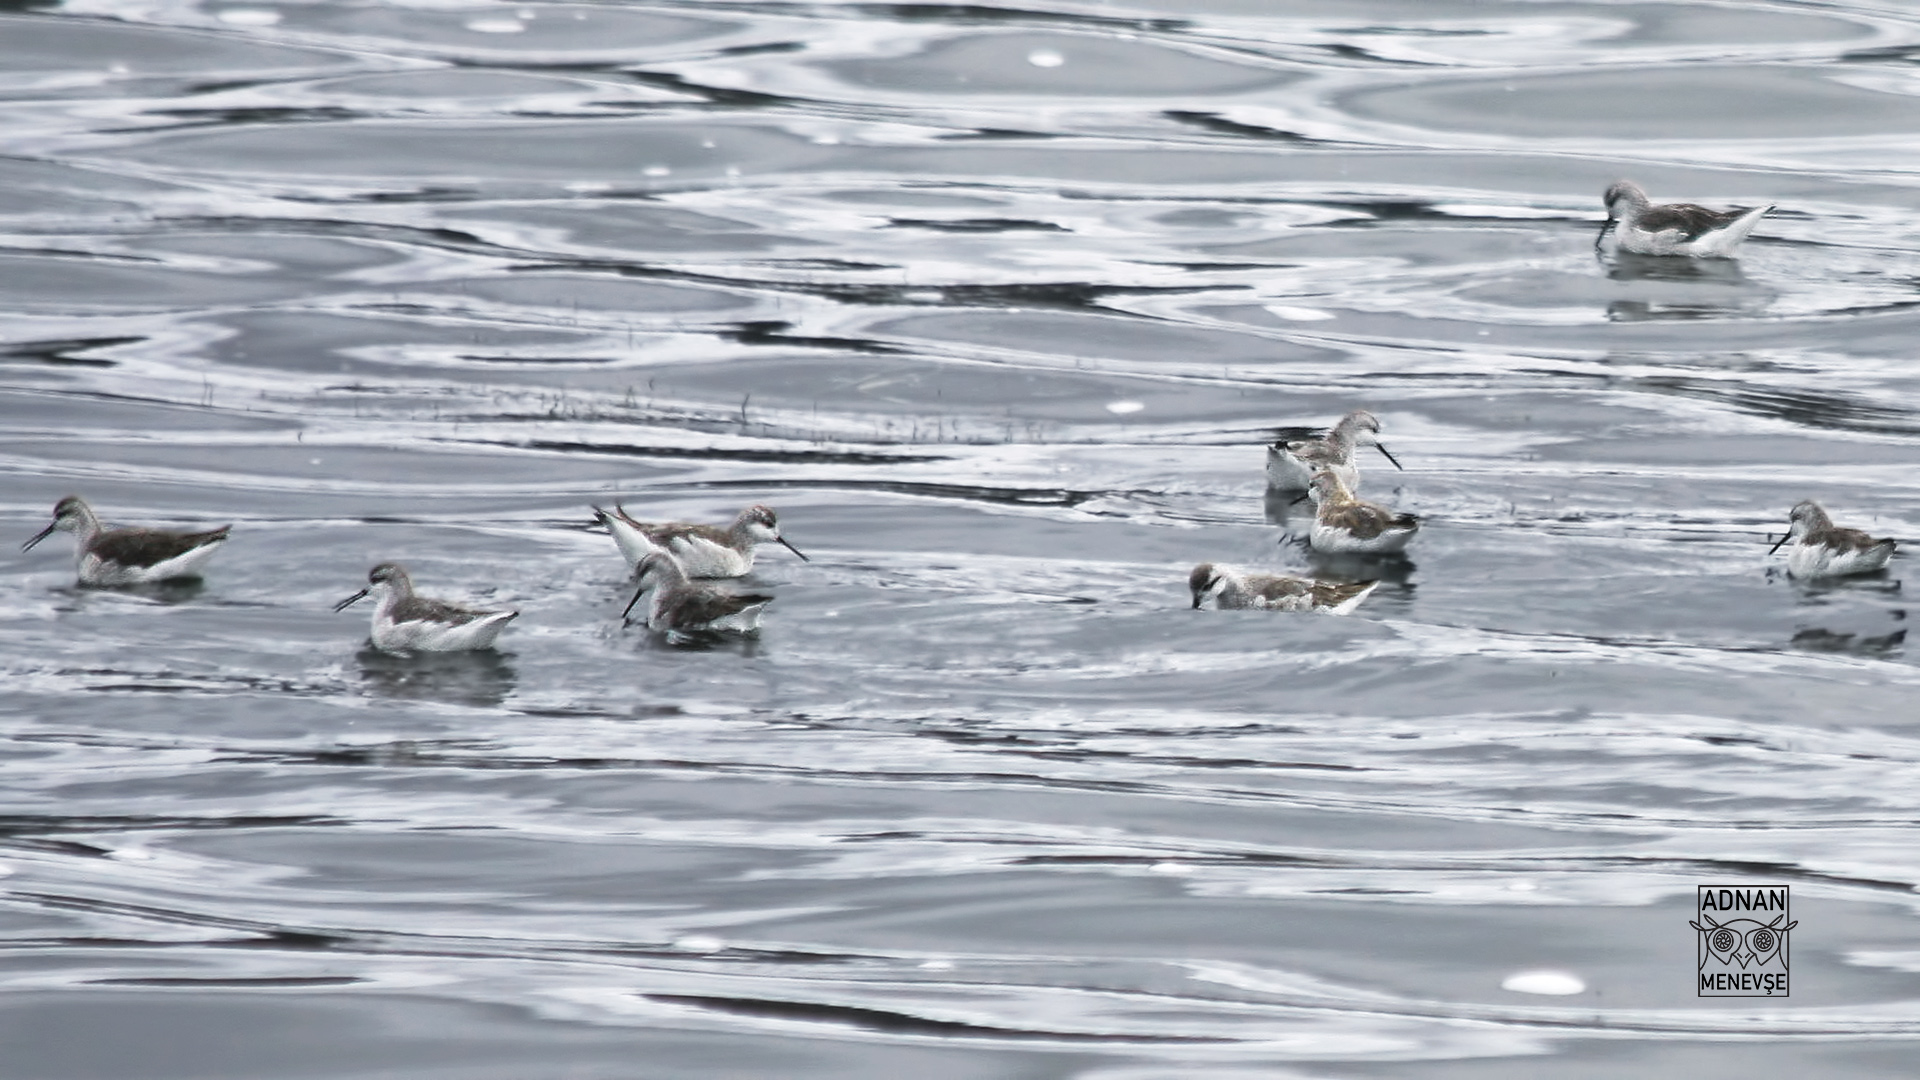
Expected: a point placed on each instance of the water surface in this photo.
(997, 306)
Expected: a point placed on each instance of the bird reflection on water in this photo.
(1283, 507)
(1683, 289)
(1626, 266)
(1820, 639)
(1834, 622)
(482, 678)
(170, 592)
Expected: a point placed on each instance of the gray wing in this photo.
(700, 609)
(422, 609)
(1366, 521)
(151, 547)
(1335, 593)
(1312, 451)
(1854, 540)
(1271, 587)
(1692, 221)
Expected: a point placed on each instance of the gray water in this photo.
(997, 306)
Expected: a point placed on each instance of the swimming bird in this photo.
(703, 551)
(1344, 522)
(1824, 549)
(1232, 590)
(129, 556)
(680, 605)
(1674, 228)
(1291, 465)
(403, 622)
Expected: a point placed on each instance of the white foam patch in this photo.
(1045, 58)
(248, 17)
(1557, 983)
(1298, 314)
(1122, 408)
(496, 26)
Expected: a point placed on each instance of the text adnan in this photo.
(1743, 900)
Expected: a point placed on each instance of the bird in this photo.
(1674, 228)
(1343, 522)
(703, 551)
(1232, 590)
(403, 622)
(1291, 465)
(129, 556)
(1824, 549)
(682, 606)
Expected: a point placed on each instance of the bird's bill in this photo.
(1782, 540)
(39, 536)
(351, 600)
(637, 594)
(1390, 457)
(790, 547)
(1601, 236)
(1300, 498)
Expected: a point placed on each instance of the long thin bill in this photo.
(39, 536)
(1782, 540)
(1390, 457)
(637, 594)
(790, 547)
(349, 601)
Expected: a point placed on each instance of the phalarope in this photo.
(1674, 228)
(1232, 590)
(1824, 549)
(403, 622)
(129, 556)
(680, 605)
(703, 551)
(1291, 465)
(1345, 523)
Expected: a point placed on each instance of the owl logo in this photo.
(1743, 944)
(1741, 938)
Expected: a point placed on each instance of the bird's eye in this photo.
(1723, 940)
(1763, 940)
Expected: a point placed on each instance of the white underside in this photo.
(423, 636)
(633, 543)
(1346, 606)
(699, 558)
(1325, 538)
(1818, 560)
(1304, 602)
(1717, 244)
(95, 571)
